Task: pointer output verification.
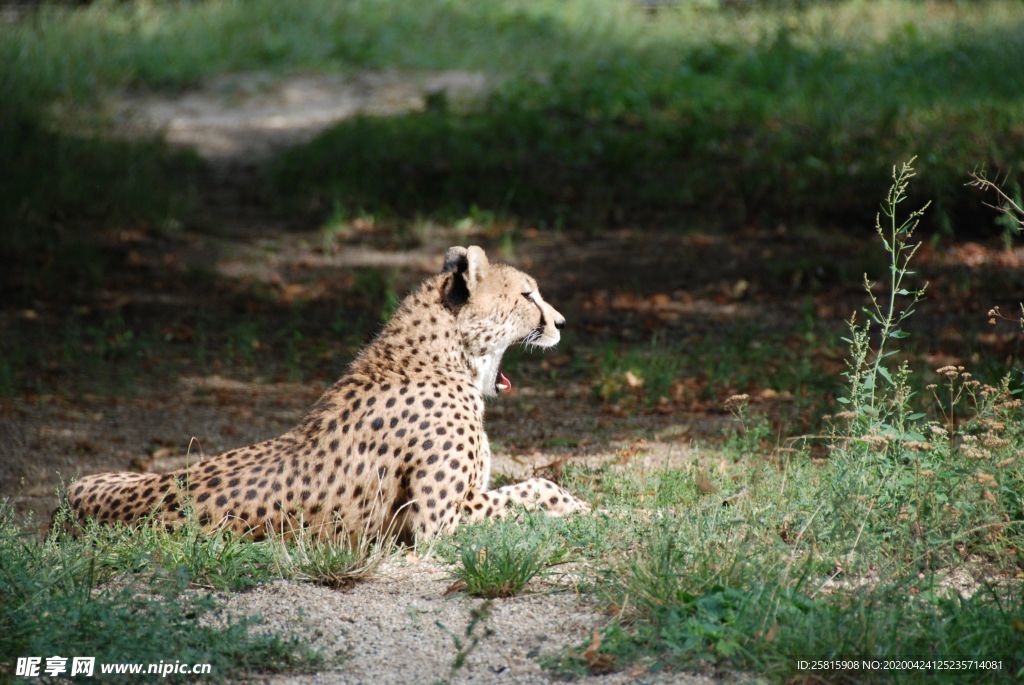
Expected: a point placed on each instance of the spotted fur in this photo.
(396, 446)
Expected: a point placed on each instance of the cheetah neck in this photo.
(422, 339)
(484, 369)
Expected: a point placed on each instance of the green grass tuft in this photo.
(498, 559)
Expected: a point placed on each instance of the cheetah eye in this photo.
(529, 295)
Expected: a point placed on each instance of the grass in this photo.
(221, 560)
(174, 45)
(749, 559)
(763, 564)
(771, 578)
(601, 114)
(667, 375)
(337, 563)
(680, 604)
(744, 558)
(144, 595)
(115, 598)
(787, 115)
(499, 559)
(62, 192)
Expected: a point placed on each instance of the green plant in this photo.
(59, 597)
(898, 477)
(242, 342)
(464, 645)
(335, 561)
(1010, 207)
(639, 375)
(751, 431)
(596, 112)
(868, 367)
(778, 558)
(710, 590)
(499, 559)
(375, 288)
(335, 229)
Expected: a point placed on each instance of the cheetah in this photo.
(395, 447)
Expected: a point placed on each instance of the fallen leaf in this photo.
(591, 652)
(597, 662)
(633, 380)
(704, 484)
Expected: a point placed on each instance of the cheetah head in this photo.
(495, 306)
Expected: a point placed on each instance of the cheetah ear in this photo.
(454, 260)
(470, 263)
(468, 267)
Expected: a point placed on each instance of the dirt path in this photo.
(245, 117)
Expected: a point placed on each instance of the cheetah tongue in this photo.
(503, 384)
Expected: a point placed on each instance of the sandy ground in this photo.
(399, 627)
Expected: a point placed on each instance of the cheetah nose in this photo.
(560, 323)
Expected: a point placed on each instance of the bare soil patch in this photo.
(248, 115)
(398, 627)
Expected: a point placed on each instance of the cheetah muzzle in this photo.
(397, 446)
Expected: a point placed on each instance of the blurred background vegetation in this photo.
(602, 112)
(711, 115)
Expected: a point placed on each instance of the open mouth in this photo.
(503, 384)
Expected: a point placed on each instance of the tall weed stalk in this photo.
(928, 489)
